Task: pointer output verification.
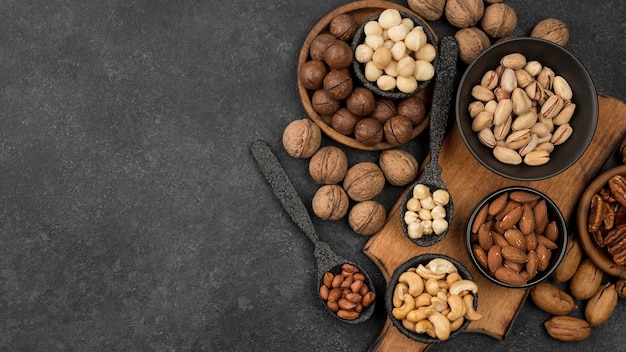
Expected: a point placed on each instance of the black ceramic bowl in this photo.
(554, 214)
(564, 64)
(359, 68)
(425, 240)
(393, 281)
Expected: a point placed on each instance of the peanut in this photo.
(346, 294)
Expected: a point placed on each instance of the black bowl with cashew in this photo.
(431, 298)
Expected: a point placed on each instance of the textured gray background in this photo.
(132, 216)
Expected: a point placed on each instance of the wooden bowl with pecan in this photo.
(601, 221)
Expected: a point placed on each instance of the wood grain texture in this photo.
(468, 182)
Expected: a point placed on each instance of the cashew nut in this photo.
(409, 325)
(470, 313)
(398, 294)
(423, 300)
(441, 266)
(452, 278)
(414, 281)
(432, 286)
(456, 324)
(427, 274)
(441, 325)
(463, 285)
(407, 306)
(425, 327)
(438, 304)
(457, 307)
(419, 314)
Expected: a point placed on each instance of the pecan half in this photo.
(617, 184)
(615, 235)
(596, 210)
(608, 216)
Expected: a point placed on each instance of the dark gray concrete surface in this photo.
(132, 215)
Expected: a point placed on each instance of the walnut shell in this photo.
(553, 30)
(302, 138)
(464, 13)
(399, 167)
(499, 20)
(368, 217)
(430, 10)
(328, 165)
(364, 181)
(472, 41)
(330, 202)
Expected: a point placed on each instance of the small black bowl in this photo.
(359, 68)
(553, 214)
(393, 281)
(427, 239)
(563, 63)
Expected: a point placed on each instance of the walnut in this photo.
(464, 13)
(472, 41)
(399, 166)
(328, 165)
(499, 20)
(430, 10)
(302, 138)
(553, 30)
(330, 202)
(364, 181)
(368, 217)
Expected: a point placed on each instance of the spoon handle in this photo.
(283, 188)
(442, 95)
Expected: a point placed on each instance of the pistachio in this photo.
(534, 91)
(548, 122)
(475, 107)
(486, 137)
(540, 129)
(491, 105)
(546, 78)
(566, 113)
(490, 80)
(562, 88)
(482, 93)
(508, 81)
(562, 134)
(524, 121)
(521, 101)
(483, 120)
(518, 139)
(533, 67)
(545, 146)
(501, 131)
(536, 157)
(551, 107)
(507, 155)
(530, 146)
(503, 111)
(523, 78)
(513, 61)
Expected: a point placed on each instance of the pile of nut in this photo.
(349, 109)
(607, 218)
(513, 237)
(584, 286)
(479, 21)
(522, 110)
(346, 294)
(434, 299)
(395, 53)
(425, 214)
(340, 183)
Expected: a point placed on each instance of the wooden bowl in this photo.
(599, 257)
(361, 11)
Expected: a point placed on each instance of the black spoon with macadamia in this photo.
(426, 210)
(345, 289)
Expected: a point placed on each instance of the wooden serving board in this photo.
(469, 182)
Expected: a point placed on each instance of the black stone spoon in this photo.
(445, 70)
(326, 259)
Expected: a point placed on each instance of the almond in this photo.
(540, 210)
(480, 218)
(499, 239)
(484, 236)
(531, 242)
(523, 196)
(551, 299)
(568, 328)
(515, 255)
(551, 231)
(543, 257)
(509, 276)
(511, 218)
(494, 258)
(480, 255)
(531, 266)
(527, 222)
(509, 206)
(541, 239)
(498, 204)
(600, 307)
(515, 238)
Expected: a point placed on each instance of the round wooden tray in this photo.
(598, 256)
(362, 11)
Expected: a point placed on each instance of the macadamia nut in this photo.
(427, 210)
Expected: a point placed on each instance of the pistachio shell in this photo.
(487, 138)
(521, 101)
(524, 121)
(518, 139)
(540, 129)
(536, 158)
(482, 93)
(533, 67)
(523, 78)
(551, 107)
(566, 114)
(490, 80)
(561, 134)
(501, 131)
(507, 155)
(562, 88)
(508, 81)
(513, 61)
(503, 111)
(483, 120)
